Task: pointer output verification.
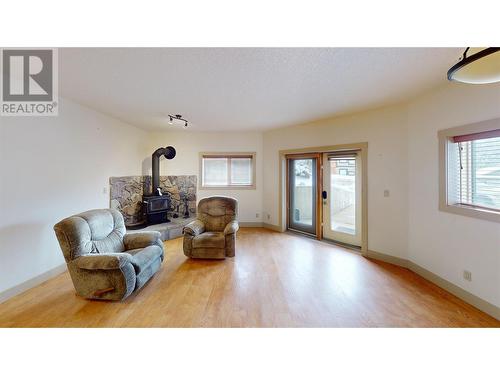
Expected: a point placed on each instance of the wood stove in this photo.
(155, 207)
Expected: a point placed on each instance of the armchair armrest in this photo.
(231, 227)
(112, 261)
(194, 228)
(141, 239)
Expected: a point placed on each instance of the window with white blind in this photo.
(472, 171)
(229, 170)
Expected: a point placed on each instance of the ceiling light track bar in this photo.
(178, 118)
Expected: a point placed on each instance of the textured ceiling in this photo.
(246, 88)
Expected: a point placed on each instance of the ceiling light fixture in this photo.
(481, 66)
(178, 118)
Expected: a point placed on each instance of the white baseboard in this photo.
(388, 258)
(275, 228)
(250, 224)
(259, 224)
(464, 295)
(256, 224)
(28, 284)
(457, 291)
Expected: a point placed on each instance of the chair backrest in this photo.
(95, 231)
(216, 212)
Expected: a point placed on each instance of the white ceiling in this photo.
(246, 88)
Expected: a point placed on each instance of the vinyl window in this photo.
(472, 172)
(228, 170)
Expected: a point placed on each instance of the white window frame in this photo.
(228, 155)
(445, 140)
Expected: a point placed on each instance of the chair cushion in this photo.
(142, 258)
(209, 239)
(142, 239)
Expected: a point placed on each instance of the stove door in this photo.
(160, 204)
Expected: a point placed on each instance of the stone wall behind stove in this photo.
(126, 195)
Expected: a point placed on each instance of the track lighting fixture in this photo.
(173, 118)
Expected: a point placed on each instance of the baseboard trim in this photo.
(457, 291)
(275, 228)
(387, 258)
(464, 295)
(251, 224)
(257, 224)
(31, 283)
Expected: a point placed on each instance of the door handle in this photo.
(324, 194)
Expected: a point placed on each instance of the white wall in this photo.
(188, 146)
(446, 243)
(53, 167)
(386, 133)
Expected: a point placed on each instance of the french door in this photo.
(303, 191)
(342, 197)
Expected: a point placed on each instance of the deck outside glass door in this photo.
(302, 193)
(342, 197)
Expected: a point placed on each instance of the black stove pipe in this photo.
(169, 153)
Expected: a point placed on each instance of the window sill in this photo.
(471, 211)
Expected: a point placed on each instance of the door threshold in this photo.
(342, 244)
(306, 234)
(354, 248)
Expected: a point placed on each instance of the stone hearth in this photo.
(126, 195)
(167, 230)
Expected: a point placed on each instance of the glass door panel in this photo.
(342, 198)
(302, 194)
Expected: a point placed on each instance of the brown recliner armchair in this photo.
(213, 234)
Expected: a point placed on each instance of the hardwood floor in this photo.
(275, 280)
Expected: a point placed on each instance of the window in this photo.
(235, 170)
(471, 177)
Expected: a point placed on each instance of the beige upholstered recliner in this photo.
(213, 234)
(104, 262)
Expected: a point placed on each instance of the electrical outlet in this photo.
(105, 190)
(467, 275)
(386, 193)
(268, 217)
(257, 215)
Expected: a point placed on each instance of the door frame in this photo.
(319, 177)
(282, 186)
